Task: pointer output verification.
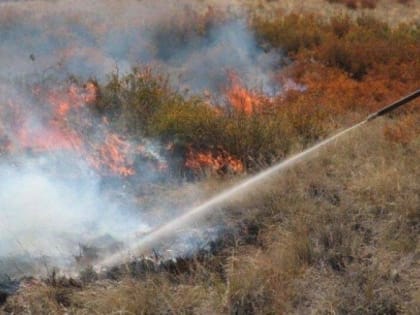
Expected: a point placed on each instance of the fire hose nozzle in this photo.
(394, 105)
(372, 116)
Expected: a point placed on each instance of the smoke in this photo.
(46, 215)
(190, 43)
(52, 201)
(65, 192)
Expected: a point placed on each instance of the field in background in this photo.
(392, 12)
(338, 234)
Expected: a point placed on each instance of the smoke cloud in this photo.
(51, 202)
(44, 215)
(94, 38)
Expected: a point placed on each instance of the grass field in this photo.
(338, 233)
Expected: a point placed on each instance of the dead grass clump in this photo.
(152, 296)
(36, 298)
(342, 247)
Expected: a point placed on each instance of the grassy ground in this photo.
(392, 12)
(337, 234)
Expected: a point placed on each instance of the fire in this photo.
(113, 156)
(74, 98)
(218, 161)
(56, 133)
(51, 139)
(65, 123)
(240, 98)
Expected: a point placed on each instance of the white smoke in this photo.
(49, 213)
(50, 203)
(95, 38)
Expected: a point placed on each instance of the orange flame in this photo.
(44, 140)
(74, 98)
(62, 126)
(57, 134)
(240, 98)
(217, 162)
(112, 156)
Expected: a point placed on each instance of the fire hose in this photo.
(168, 228)
(394, 105)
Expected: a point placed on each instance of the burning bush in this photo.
(243, 100)
(215, 161)
(311, 242)
(337, 61)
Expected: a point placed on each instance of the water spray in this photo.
(172, 226)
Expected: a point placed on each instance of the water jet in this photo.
(170, 227)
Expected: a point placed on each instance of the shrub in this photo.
(130, 101)
(357, 46)
(255, 139)
(290, 33)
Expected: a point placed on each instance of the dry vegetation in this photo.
(343, 239)
(365, 4)
(336, 235)
(392, 12)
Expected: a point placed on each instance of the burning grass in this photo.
(342, 69)
(338, 234)
(342, 235)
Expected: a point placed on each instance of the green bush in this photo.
(256, 139)
(130, 101)
(141, 104)
(290, 33)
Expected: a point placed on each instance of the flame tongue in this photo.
(66, 123)
(46, 140)
(112, 156)
(217, 161)
(240, 98)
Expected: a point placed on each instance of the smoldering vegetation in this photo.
(117, 116)
(64, 137)
(48, 217)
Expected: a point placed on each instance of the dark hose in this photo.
(394, 105)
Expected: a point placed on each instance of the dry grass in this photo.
(390, 11)
(337, 234)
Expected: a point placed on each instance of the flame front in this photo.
(66, 123)
(219, 161)
(240, 98)
(112, 156)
